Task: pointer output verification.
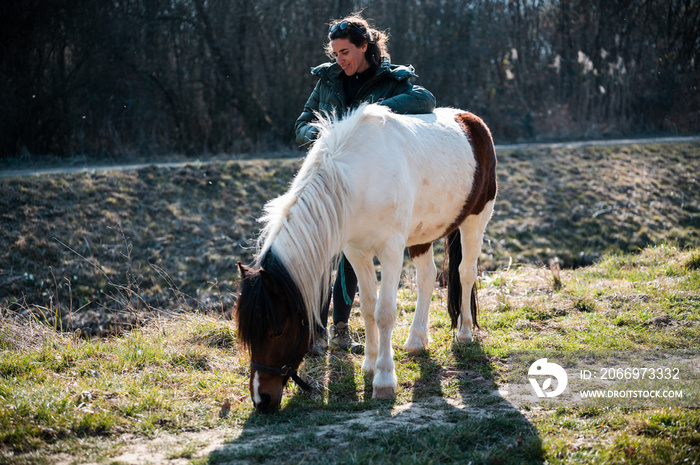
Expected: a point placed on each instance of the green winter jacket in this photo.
(390, 86)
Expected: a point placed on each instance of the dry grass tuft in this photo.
(23, 332)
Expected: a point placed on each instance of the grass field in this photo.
(104, 251)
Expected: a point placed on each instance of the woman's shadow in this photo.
(456, 406)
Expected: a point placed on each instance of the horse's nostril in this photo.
(264, 404)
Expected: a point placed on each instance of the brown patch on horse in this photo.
(418, 250)
(484, 186)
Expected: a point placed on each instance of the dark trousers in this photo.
(344, 290)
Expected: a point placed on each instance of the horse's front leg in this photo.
(367, 281)
(384, 384)
(425, 278)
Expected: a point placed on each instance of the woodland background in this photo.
(124, 77)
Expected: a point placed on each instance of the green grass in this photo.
(161, 378)
(61, 394)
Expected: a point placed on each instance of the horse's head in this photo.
(273, 326)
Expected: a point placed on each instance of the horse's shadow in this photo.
(447, 414)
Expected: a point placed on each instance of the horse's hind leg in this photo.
(425, 278)
(472, 235)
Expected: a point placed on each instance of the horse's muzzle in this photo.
(266, 404)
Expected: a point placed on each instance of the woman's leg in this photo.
(344, 291)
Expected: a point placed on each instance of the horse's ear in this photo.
(242, 269)
(270, 283)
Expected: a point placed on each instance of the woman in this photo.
(361, 72)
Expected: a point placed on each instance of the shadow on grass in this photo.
(454, 415)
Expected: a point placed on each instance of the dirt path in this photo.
(224, 445)
(179, 164)
(588, 143)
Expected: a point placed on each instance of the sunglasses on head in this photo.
(341, 26)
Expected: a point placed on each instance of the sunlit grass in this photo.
(153, 379)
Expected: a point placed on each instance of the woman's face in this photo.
(349, 56)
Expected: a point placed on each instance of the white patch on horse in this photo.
(256, 388)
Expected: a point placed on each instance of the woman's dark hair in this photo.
(358, 31)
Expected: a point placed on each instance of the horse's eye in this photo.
(277, 333)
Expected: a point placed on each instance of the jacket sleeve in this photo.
(410, 99)
(305, 132)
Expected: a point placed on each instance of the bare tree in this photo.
(157, 76)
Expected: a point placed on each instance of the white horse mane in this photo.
(334, 133)
(305, 226)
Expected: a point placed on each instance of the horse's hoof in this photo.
(415, 345)
(383, 393)
(414, 349)
(462, 338)
(368, 366)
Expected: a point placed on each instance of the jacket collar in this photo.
(332, 70)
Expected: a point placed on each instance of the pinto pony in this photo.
(373, 183)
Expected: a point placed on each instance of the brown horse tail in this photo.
(453, 255)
